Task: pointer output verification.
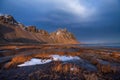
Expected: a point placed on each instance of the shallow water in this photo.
(63, 58)
(36, 61)
(66, 59)
(115, 45)
(84, 64)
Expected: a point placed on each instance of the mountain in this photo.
(14, 32)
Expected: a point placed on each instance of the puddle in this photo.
(16, 48)
(67, 50)
(73, 69)
(103, 62)
(84, 64)
(112, 65)
(63, 58)
(66, 59)
(36, 61)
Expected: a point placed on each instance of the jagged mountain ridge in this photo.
(12, 31)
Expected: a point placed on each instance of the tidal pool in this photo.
(36, 61)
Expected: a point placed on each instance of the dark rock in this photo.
(31, 28)
(8, 19)
(43, 32)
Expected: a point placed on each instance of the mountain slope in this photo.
(12, 31)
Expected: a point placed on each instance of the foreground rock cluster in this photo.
(12, 31)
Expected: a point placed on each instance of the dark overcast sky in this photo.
(92, 21)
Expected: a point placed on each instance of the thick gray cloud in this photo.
(79, 10)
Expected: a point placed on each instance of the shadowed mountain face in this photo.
(12, 31)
